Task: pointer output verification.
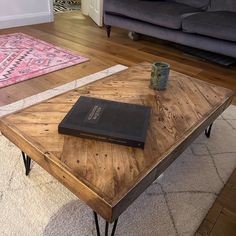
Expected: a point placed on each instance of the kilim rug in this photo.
(23, 57)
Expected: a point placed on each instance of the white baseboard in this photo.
(26, 19)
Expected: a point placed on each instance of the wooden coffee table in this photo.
(109, 177)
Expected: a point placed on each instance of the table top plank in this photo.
(108, 177)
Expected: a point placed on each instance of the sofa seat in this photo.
(219, 24)
(161, 13)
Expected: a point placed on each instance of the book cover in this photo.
(109, 121)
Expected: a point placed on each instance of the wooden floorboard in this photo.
(78, 33)
(221, 218)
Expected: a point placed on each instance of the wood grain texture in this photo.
(221, 218)
(109, 177)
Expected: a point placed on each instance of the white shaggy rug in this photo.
(173, 205)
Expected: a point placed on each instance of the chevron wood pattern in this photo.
(109, 177)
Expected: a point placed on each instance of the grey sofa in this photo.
(205, 24)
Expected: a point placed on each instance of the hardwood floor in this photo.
(221, 218)
(80, 34)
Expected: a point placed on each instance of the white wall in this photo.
(25, 12)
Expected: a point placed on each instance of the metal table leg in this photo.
(208, 131)
(106, 227)
(27, 162)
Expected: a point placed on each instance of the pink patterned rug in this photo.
(23, 57)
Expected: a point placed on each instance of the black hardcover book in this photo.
(108, 121)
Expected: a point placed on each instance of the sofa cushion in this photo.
(225, 5)
(217, 24)
(162, 13)
(203, 4)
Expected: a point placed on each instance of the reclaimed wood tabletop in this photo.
(109, 177)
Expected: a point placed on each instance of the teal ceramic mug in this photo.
(159, 75)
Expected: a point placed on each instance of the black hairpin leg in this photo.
(106, 227)
(27, 161)
(208, 131)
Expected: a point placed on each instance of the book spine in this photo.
(125, 142)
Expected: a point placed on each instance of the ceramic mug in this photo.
(159, 75)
